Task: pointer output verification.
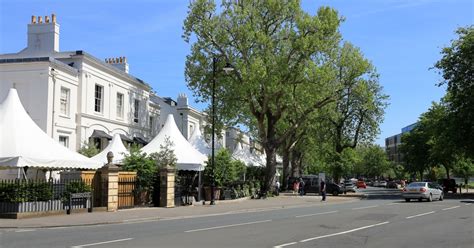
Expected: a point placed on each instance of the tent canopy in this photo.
(244, 155)
(188, 157)
(198, 142)
(116, 146)
(23, 143)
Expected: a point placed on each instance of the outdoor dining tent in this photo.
(198, 142)
(248, 158)
(188, 157)
(24, 144)
(116, 147)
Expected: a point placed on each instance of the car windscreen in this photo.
(417, 185)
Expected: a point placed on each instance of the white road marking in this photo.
(413, 216)
(101, 243)
(340, 233)
(467, 204)
(306, 215)
(374, 206)
(217, 227)
(58, 227)
(25, 230)
(393, 203)
(450, 208)
(283, 245)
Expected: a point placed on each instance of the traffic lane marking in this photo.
(307, 215)
(101, 243)
(25, 230)
(333, 234)
(418, 215)
(450, 208)
(225, 226)
(374, 206)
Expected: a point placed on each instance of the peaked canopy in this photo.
(23, 143)
(198, 142)
(188, 157)
(246, 157)
(116, 146)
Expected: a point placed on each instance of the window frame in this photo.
(99, 102)
(66, 140)
(64, 102)
(120, 108)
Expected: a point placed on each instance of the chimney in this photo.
(43, 37)
(182, 100)
(119, 63)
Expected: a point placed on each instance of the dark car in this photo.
(311, 185)
(448, 185)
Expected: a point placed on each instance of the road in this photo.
(375, 222)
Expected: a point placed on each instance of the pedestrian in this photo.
(323, 190)
(301, 187)
(277, 187)
(296, 186)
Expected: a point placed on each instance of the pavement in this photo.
(284, 201)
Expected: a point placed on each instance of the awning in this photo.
(140, 141)
(100, 134)
(125, 138)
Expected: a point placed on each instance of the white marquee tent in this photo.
(188, 157)
(198, 142)
(116, 146)
(244, 155)
(23, 143)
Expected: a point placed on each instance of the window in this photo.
(120, 105)
(135, 113)
(99, 97)
(151, 122)
(64, 101)
(64, 140)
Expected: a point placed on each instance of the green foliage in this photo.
(75, 187)
(25, 191)
(144, 165)
(226, 170)
(457, 68)
(165, 157)
(88, 149)
(464, 167)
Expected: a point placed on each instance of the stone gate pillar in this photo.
(167, 178)
(110, 173)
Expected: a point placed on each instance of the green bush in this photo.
(75, 187)
(26, 191)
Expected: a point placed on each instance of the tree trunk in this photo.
(286, 168)
(447, 171)
(270, 169)
(295, 170)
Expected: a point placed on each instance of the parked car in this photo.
(393, 185)
(349, 186)
(311, 185)
(376, 184)
(370, 183)
(423, 190)
(448, 185)
(383, 184)
(361, 184)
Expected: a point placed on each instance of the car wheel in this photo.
(335, 193)
(430, 198)
(420, 199)
(441, 197)
(407, 199)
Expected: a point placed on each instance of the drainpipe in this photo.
(53, 77)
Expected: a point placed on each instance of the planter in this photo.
(207, 193)
(23, 207)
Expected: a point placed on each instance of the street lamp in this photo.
(227, 69)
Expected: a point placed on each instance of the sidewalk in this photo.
(151, 214)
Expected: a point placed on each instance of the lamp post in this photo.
(227, 69)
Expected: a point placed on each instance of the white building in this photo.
(75, 97)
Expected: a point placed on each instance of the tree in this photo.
(281, 56)
(416, 150)
(359, 108)
(88, 149)
(144, 165)
(464, 167)
(225, 169)
(457, 68)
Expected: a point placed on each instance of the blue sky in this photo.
(402, 38)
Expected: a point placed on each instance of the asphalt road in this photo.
(375, 222)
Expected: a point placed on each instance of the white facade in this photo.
(72, 94)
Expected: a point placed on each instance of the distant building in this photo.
(393, 143)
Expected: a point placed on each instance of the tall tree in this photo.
(281, 56)
(416, 149)
(360, 106)
(457, 68)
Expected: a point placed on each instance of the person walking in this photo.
(323, 190)
(277, 187)
(301, 188)
(296, 186)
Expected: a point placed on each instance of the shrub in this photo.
(75, 187)
(25, 191)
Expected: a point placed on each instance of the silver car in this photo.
(423, 190)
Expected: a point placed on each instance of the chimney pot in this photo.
(33, 19)
(121, 60)
(40, 19)
(46, 19)
(53, 17)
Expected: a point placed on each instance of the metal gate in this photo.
(126, 190)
